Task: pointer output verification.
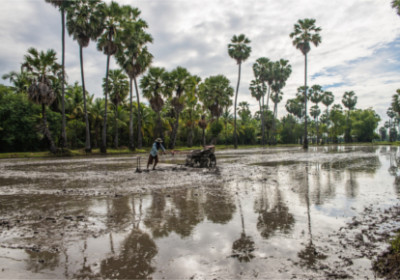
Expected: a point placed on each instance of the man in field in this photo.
(154, 153)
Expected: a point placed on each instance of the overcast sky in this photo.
(360, 48)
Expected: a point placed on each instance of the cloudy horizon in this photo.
(358, 52)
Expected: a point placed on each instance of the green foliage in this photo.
(216, 128)
(364, 123)
(290, 131)
(395, 243)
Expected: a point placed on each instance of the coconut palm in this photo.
(134, 57)
(96, 113)
(43, 69)
(63, 6)
(153, 87)
(349, 101)
(113, 16)
(119, 87)
(305, 32)
(239, 50)
(20, 81)
(85, 23)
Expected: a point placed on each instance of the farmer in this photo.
(153, 153)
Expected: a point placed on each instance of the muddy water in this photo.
(263, 213)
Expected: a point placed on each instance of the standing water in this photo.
(262, 213)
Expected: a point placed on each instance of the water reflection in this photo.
(243, 248)
(135, 259)
(309, 255)
(273, 213)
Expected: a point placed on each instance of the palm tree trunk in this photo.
(174, 131)
(159, 126)
(116, 127)
(190, 133)
(139, 144)
(237, 91)
(269, 92)
(87, 142)
(262, 122)
(103, 147)
(131, 145)
(46, 130)
(274, 123)
(305, 142)
(316, 123)
(204, 137)
(64, 123)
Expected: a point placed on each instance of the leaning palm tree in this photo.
(239, 50)
(305, 32)
(134, 57)
(119, 87)
(85, 23)
(63, 5)
(107, 44)
(43, 69)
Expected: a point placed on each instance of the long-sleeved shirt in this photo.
(154, 149)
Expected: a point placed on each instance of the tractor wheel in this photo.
(213, 161)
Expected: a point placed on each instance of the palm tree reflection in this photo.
(309, 255)
(273, 218)
(243, 248)
(135, 258)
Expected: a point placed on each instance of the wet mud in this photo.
(276, 213)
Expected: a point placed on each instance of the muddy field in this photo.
(262, 213)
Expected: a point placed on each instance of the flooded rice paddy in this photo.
(262, 213)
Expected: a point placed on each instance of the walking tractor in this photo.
(202, 158)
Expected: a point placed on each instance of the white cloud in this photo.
(194, 34)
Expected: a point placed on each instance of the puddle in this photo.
(262, 213)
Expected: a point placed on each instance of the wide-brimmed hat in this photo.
(159, 140)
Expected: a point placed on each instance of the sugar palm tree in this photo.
(134, 57)
(119, 87)
(153, 87)
(62, 5)
(349, 101)
(257, 91)
(316, 96)
(180, 82)
(107, 43)
(43, 69)
(85, 23)
(239, 50)
(305, 32)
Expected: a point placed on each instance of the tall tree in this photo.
(257, 91)
(43, 69)
(85, 23)
(281, 72)
(119, 87)
(239, 50)
(215, 93)
(154, 89)
(396, 5)
(349, 101)
(305, 32)
(113, 16)
(63, 5)
(192, 107)
(134, 57)
(316, 95)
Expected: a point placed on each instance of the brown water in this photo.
(263, 213)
